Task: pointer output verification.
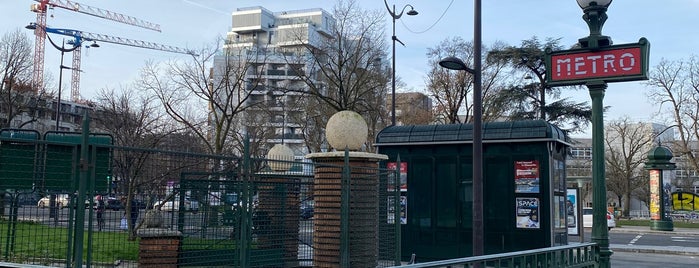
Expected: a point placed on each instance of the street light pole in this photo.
(478, 228)
(60, 84)
(411, 12)
(595, 15)
(454, 63)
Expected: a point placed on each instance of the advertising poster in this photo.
(572, 212)
(403, 210)
(403, 174)
(655, 194)
(527, 176)
(527, 212)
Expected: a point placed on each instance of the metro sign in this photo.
(627, 62)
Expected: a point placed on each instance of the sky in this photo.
(192, 24)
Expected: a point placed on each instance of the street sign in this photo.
(618, 63)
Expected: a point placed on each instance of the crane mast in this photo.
(40, 31)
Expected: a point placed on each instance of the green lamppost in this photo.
(658, 160)
(595, 16)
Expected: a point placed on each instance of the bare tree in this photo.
(134, 122)
(675, 87)
(343, 71)
(207, 100)
(16, 95)
(627, 144)
(451, 90)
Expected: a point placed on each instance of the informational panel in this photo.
(527, 176)
(655, 194)
(62, 157)
(403, 174)
(527, 212)
(18, 158)
(572, 207)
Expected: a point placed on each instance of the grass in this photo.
(35, 242)
(676, 224)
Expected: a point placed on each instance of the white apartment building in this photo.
(263, 39)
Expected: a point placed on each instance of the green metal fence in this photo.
(230, 211)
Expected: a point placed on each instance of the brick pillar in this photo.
(363, 218)
(158, 247)
(278, 216)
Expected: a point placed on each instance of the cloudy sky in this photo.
(668, 25)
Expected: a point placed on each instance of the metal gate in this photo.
(243, 221)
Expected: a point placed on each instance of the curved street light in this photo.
(411, 12)
(63, 50)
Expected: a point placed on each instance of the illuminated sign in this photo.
(628, 62)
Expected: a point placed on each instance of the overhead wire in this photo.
(433, 24)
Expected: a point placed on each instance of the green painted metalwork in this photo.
(579, 256)
(345, 214)
(19, 155)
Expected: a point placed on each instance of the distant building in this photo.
(41, 115)
(412, 108)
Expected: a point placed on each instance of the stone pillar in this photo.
(363, 209)
(158, 247)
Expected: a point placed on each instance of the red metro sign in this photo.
(628, 62)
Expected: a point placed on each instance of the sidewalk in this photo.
(655, 249)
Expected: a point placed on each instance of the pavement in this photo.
(694, 251)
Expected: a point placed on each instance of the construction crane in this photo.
(39, 47)
(81, 37)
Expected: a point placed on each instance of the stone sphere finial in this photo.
(346, 129)
(280, 157)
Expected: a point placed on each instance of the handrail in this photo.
(575, 255)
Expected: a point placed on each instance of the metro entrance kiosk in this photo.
(524, 187)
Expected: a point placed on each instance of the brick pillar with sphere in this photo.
(346, 129)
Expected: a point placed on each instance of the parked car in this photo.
(307, 209)
(587, 218)
(62, 200)
(174, 205)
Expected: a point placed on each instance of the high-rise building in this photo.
(267, 46)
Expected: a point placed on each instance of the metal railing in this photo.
(578, 255)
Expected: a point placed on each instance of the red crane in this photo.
(40, 31)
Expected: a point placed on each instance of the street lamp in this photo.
(454, 63)
(595, 14)
(76, 45)
(411, 12)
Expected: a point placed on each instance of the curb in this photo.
(669, 250)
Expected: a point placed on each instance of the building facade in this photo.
(40, 114)
(263, 43)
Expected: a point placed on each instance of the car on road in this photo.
(174, 205)
(587, 218)
(62, 200)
